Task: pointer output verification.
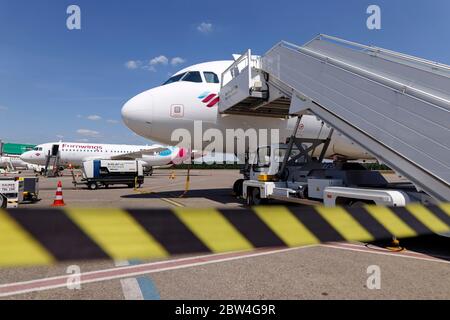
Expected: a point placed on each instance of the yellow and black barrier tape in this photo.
(45, 236)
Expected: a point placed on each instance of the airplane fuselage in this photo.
(163, 113)
(12, 161)
(76, 153)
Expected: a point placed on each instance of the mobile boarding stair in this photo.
(51, 168)
(394, 105)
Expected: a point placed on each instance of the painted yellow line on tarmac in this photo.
(173, 202)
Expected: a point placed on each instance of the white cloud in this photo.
(159, 60)
(151, 65)
(94, 117)
(133, 64)
(83, 140)
(112, 121)
(177, 60)
(88, 133)
(79, 116)
(205, 27)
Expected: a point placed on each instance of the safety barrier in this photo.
(45, 236)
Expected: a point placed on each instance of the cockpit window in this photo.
(174, 78)
(192, 76)
(211, 77)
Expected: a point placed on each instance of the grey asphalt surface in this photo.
(306, 273)
(208, 188)
(309, 273)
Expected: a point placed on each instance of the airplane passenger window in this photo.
(211, 77)
(174, 78)
(192, 76)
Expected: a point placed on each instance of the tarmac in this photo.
(327, 271)
(208, 188)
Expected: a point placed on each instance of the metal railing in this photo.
(399, 86)
(238, 66)
(375, 50)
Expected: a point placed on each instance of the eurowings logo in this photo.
(210, 99)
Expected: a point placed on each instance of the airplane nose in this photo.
(24, 156)
(137, 113)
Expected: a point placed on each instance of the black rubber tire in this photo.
(93, 186)
(357, 204)
(3, 202)
(256, 197)
(238, 188)
(248, 199)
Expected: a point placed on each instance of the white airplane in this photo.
(13, 162)
(73, 153)
(192, 95)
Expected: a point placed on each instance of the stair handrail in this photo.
(398, 86)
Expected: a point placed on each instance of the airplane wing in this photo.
(139, 154)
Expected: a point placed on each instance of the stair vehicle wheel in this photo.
(359, 203)
(237, 188)
(254, 197)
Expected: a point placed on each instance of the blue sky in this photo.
(52, 79)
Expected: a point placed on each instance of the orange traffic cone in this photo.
(59, 201)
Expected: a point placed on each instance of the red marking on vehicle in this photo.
(208, 98)
(213, 103)
(37, 154)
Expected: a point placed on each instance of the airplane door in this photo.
(55, 150)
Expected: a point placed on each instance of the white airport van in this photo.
(103, 173)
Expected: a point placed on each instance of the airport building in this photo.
(15, 148)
